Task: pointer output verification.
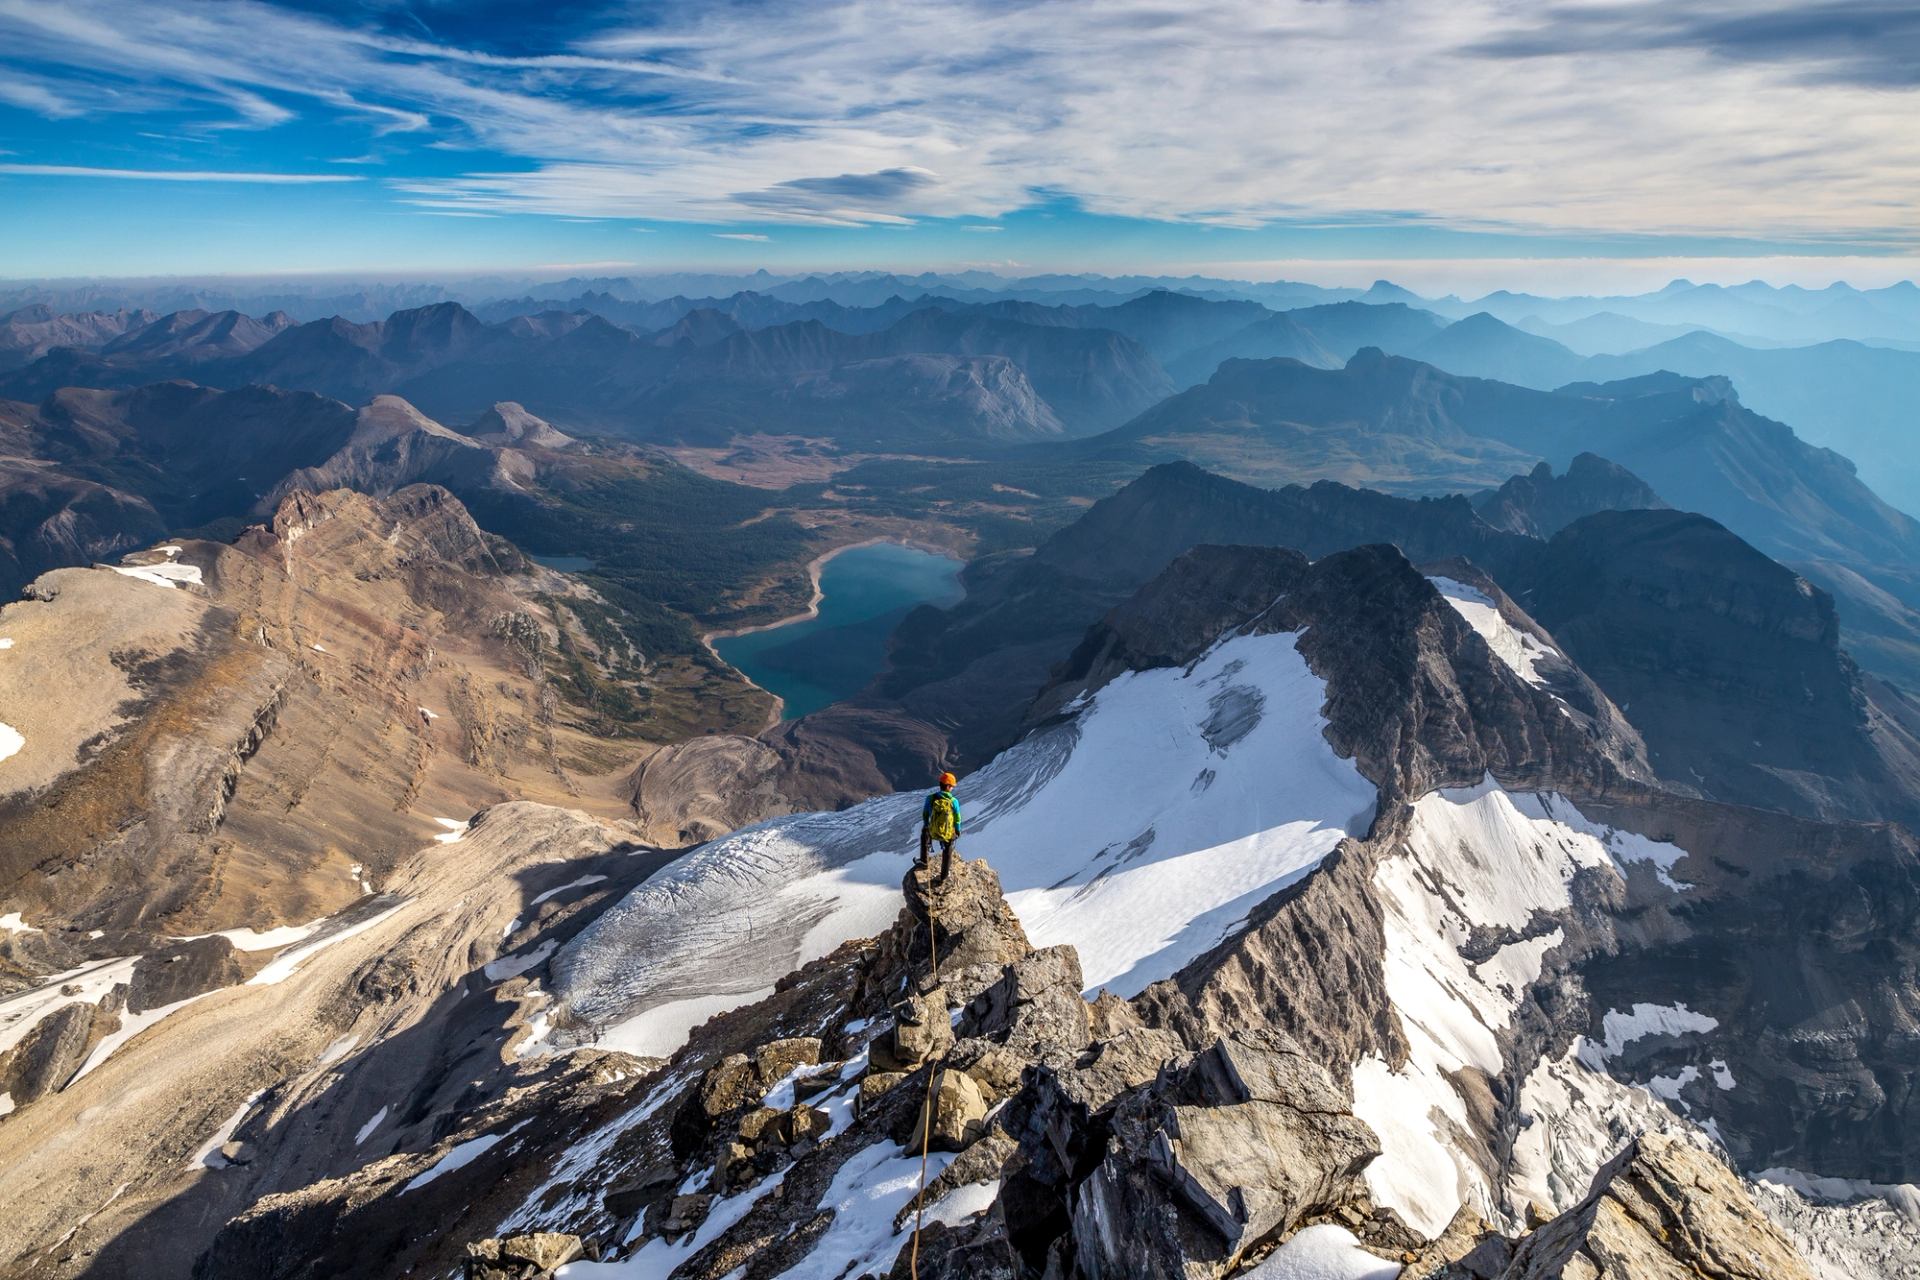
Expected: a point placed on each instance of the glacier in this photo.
(1141, 829)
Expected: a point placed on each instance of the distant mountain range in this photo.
(1751, 311)
(1371, 391)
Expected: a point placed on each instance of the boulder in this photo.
(541, 1250)
(1237, 1146)
(995, 1069)
(773, 1060)
(922, 1030)
(684, 1214)
(182, 971)
(873, 1085)
(49, 1054)
(1110, 1068)
(1035, 1007)
(763, 1127)
(755, 1125)
(729, 1083)
(959, 1114)
(521, 1257)
(978, 1250)
(1660, 1210)
(635, 1194)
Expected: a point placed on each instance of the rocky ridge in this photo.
(1065, 1137)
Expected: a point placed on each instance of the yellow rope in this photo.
(933, 1091)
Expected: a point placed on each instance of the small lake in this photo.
(864, 593)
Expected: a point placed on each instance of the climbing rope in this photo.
(933, 1087)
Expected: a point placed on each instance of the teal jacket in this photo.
(926, 810)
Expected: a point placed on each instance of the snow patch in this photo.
(261, 939)
(20, 1012)
(865, 1196)
(12, 923)
(581, 883)
(663, 1028)
(1668, 1088)
(337, 1050)
(965, 1202)
(513, 966)
(366, 1130)
(288, 962)
(454, 832)
(458, 1158)
(572, 1167)
(161, 575)
(1622, 1029)
(6, 642)
(1520, 652)
(11, 741)
(207, 1155)
(1324, 1252)
(1722, 1073)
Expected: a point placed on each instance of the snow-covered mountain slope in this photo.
(1474, 898)
(1140, 829)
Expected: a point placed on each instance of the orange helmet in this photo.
(947, 779)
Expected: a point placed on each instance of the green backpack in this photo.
(940, 824)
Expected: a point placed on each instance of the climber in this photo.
(939, 820)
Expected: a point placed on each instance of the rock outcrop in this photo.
(1540, 504)
(1660, 1210)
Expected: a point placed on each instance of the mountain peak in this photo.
(510, 423)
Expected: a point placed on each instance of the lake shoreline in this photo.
(815, 568)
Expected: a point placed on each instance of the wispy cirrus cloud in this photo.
(754, 236)
(174, 175)
(1757, 119)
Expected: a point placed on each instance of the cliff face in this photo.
(1729, 664)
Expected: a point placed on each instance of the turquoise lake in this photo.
(864, 592)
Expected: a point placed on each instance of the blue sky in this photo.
(1257, 136)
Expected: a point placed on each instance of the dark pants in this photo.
(946, 850)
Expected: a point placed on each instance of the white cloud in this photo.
(1233, 113)
(740, 235)
(173, 175)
